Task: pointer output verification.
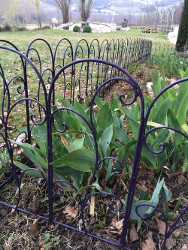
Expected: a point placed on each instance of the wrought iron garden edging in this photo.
(108, 69)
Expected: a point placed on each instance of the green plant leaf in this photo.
(99, 102)
(182, 111)
(178, 203)
(102, 117)
(80, 159)
(29, 172)
(142, 210)
(155, 196)
(144, 195)
(182, 92)
(79, 143)
(84, 188)
(32, 154)
(105, 140)
(72, 123)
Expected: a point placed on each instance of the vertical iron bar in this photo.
(136, 162)
(50, 159)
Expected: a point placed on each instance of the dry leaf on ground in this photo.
(170, 243)
(161, 226)
(117, 224)
(182, 179)
(133, 233)
(185, 247)
(33, 229)
(70, 212)
(176, 233)
(149, 244)
(116, 233)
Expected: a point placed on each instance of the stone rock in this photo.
(126, 29)
(96, 26)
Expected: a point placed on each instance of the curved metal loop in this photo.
(114, 169)
(109, 205)
(64, 124)
(33, 169)
(62, 191)
(69, 54)
(31, 64)
(94, 51)
(160, 94)
(168, 229)
(78, 46)
(173, 227)
(29, 48)
(33, 116)
(146, 216)
(38, 56)
(22, 139)
(98, 61)
(161, 144)
(20, 180)
(19, 90)
(15, 47)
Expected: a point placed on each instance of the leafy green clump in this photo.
(87, 29)
(76, 28)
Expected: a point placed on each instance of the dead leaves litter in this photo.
(33, 229)
(117, 224)
(149, 244)
(70, 212)
(161, 226)
(185, 247)
(133, 233)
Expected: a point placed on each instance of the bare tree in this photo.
(36, 5)
(38, 13)
(64, 6)
(8, 9)
(85, 7)
(27, 10)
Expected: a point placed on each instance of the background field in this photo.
(22, 39)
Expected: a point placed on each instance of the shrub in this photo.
(18, 28)
(183, 29)
(87, 29)
(23, 28)
(76, 28)
(6, 27)
(46, 27)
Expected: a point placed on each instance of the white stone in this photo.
(172, 36)
(54, 21)
(126, 29)
(96, 27)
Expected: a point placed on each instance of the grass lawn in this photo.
(22, 38)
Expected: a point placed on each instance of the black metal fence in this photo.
(163, 49)
(121, 52)
(39, 105)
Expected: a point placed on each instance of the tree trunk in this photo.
(83, 11)
(85, 7)
(64, 6)
(38, 14)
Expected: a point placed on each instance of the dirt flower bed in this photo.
(22, 231)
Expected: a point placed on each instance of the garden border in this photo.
(117, 74)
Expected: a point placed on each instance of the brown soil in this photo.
(16, 227)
